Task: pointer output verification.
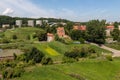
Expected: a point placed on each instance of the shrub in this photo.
(46, 61)
(32, 54)
(91, 50)
(84, 51)
(28, 37)
(31, 62)
(109, 57)
(82, 40)
(18, 72)
(76, 52)
(93, 56)
(15, 56)
(69, 60)
(7, 73)
(5, 40)
(12, 73)
(14, 37)
(71, 54)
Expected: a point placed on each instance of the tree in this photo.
(41, 35)
(82, 40)
(115, 34)
(34, 54)
(69, 26)
(96, 31)
(77, 34)
(116, 24)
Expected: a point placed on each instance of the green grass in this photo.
(62, 48)
(21, 33)
(88, 69)
(56, 49)
(51, 51)
(114, 45)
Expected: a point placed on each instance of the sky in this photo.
(74, 10)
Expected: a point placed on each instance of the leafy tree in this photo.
(42, 36)
(73, 54)
(116, 24)
(34, 54)
(96, 31)
(82, 40)
(77, 34)
(116, 34)
(69, 26)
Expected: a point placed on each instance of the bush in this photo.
(79, 53)
(84, 52)
(18, 72)
(31, 62)
(12, 73)
(118, 39)
(91, 50)
(93, 56)
(82, 40)
(46, 61)
(69, 60)
(5, 40)
(8, 73)
(109, 57)
(14, 37)
(28, 37)
(15, 56)
(32, 54)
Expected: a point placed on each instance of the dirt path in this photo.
(116, 53)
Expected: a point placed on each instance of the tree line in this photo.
(11, 20)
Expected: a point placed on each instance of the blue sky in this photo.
(75, 10)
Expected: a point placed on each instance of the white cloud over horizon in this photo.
(25, 8)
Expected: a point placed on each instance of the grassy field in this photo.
(21, 33)
(114, 45)
(87, 69)
(55, 49)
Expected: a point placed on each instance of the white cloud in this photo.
(8, 11)
(25, 8)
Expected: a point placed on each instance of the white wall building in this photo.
(31, 23)
(19, 23)
(5, 26)
(38, 22)
(119, 27)
(108, 32)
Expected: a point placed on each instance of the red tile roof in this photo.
(82, 27)
(110, 27)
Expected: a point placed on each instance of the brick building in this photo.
(60, 31)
